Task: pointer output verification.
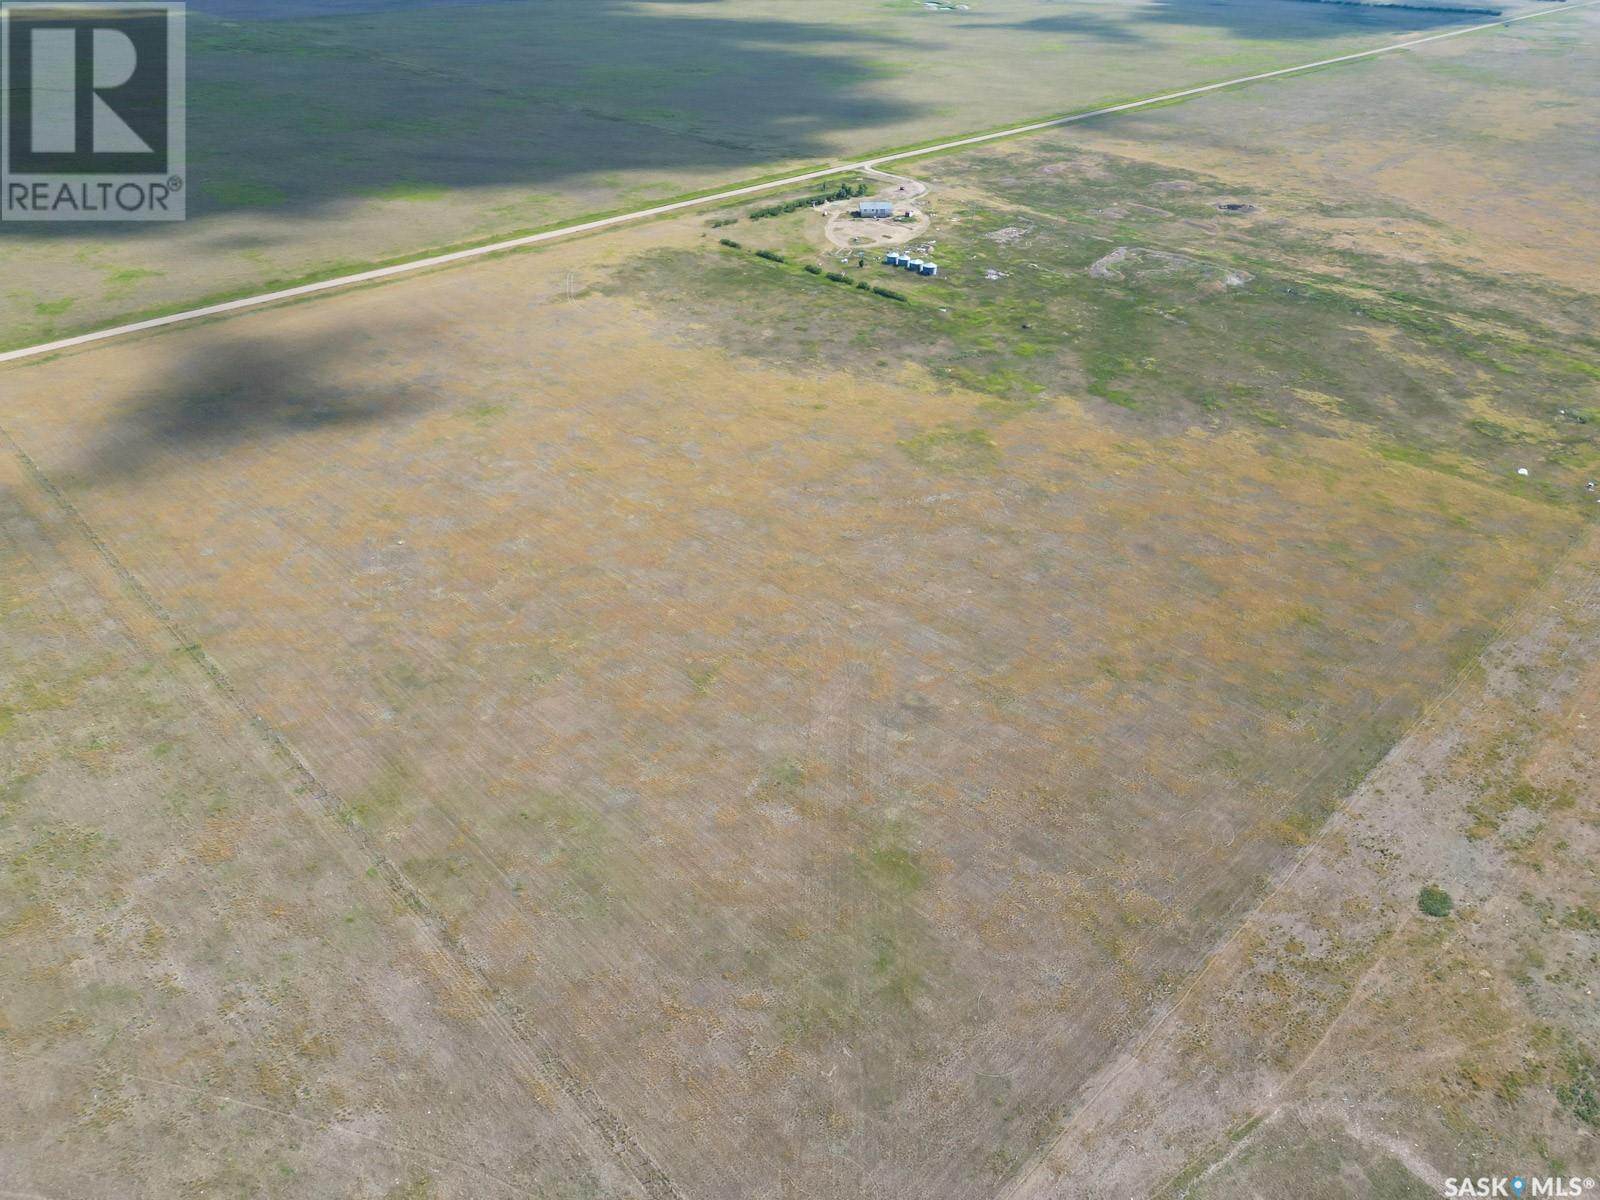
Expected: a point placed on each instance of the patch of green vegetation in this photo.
(417, 1185)
(409, 190)
(382, 798)
(1558, 360)
(703, 675)
(1415, 456)
(127, 276)
(948, 448)
(1497, 432)
(1490, 807)
(548, 664)
(243, 193)
(1301, 825)
(786, 775)
(1579, 1092)
(484, 415)
(58, 852)
(53, 308)
(1435, 901)
(1180, 1183)
(893, 865)
(1017, 316)
(573, 845)
(1582, 917)
(867, 972)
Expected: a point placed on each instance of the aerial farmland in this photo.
(688, 707)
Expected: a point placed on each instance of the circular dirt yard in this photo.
(848, 232)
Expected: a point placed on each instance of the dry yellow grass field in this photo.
(832, 791)
(631, 721)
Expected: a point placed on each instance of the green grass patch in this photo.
(408, 190)
(948, 448)
(243, 193)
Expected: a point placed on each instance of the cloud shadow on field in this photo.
(1256, 19)
(299, 107)
(237, 390)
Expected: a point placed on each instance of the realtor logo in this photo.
(92, 113)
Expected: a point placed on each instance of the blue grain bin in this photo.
(892, 258)
(914, 265)
(929, 268)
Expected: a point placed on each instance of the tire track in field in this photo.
(526, 1045)
(1032, 1181)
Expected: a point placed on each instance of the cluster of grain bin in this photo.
(915, 265)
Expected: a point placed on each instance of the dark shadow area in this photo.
(228, 392)
(402, 99)
(300, 10)
(298, 106)
(1261, 19)
(1077, 24)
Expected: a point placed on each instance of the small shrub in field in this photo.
(1435, 902)
(1583, 918)
(771, 256)
(730, 242)
(1580, 1093)
(811, 270)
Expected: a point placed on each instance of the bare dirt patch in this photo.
(1139, 261)
(846, 231)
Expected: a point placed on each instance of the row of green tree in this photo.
(835, 276)
(847, 190)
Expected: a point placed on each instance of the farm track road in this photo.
(645, 214)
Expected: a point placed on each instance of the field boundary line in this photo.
(531, 1052)
(1026, 1183)
(644, 214)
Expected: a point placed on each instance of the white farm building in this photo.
(877, 208)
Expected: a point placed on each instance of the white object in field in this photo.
(1522, 470)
